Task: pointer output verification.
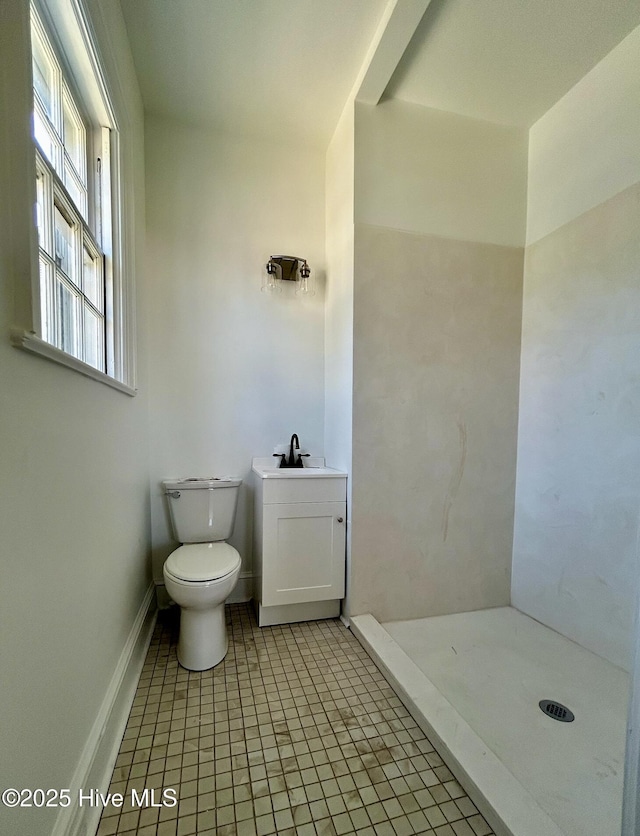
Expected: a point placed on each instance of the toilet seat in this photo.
(201, 562)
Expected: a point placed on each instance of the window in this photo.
(70, 205)
(80, 302)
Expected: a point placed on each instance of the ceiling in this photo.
(286, 67)
(275, 67)
(507, 61)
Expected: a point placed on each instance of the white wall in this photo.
(575, 562)
(339, 293)
(338, 378)
(232, 371)
(585, 149)
(73, 464)
(425, 170)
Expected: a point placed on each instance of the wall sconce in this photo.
(287, 268)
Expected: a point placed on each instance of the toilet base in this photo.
(202, 642)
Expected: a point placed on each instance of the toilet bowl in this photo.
(199, 578)
(201, 574)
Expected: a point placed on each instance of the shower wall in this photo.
(575, 560)
(440, 221)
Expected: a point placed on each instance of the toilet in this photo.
(201, 574)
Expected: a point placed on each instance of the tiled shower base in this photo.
(296, 733)
(474, 681)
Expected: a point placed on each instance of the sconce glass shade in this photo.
(270, 279)
(305, 285)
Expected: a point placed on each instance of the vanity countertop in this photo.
(314, 467)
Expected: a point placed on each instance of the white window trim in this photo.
(73, 28)
(29, 341)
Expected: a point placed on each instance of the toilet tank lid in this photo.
(203, 561)
(199, 482)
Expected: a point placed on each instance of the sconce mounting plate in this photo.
(285, 267)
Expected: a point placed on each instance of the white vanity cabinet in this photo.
(299, 541)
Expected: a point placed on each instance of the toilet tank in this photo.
(202, 510)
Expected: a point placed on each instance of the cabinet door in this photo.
(303, 552)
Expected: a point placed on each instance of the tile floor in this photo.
(296, 733)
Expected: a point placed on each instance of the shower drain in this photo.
(557, 711)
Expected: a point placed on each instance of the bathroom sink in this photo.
(310, 471)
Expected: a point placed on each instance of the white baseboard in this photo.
(291, 613)
(101, 749)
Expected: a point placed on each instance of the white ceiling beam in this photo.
(399, 21)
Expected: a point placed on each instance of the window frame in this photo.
(68, 28)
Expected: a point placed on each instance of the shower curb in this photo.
(506, 805)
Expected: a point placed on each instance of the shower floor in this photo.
(476, 679)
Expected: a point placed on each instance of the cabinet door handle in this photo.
(340, 519)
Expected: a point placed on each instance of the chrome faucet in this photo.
(295, 456)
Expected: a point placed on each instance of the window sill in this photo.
(32, 343)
